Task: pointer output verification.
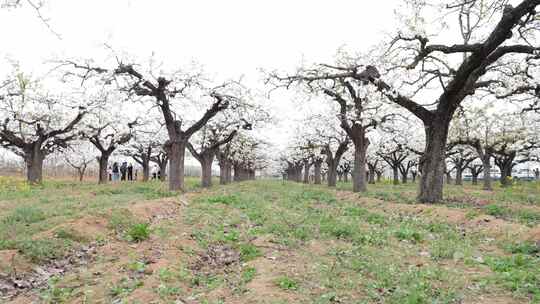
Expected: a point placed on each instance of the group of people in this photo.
(122, 172)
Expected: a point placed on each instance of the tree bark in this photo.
(332, 175)
(317, 172)
(475, 179)
(379, 176)
(206, 166)
(81, 172)
(359, 169)
(396, 175)
(486, 162)
(34, 165)
(371, 176)
(225, 169)
(103, 161)
(307, 167)
(459, 176)
(404, 177)
(163, 169)
(432, 161)
(177, 152)
(146, 170)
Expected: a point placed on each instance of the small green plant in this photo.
(138, 232)
(287, 283)
(408, 234)
(517, 273)
(528, 247)
(495, 210)
(249, 252)
(248, 274)
(42, 250)
(25, 215)
(164, 290)
(69, 234)
(223, 199)
(125, 286)
(121, 219)
(54, 293)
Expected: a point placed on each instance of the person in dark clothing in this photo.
(109, 171)
(115, 172)
(123, 170)
(130, 172)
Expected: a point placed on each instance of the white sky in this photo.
(230, 38)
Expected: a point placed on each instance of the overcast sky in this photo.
(230, 38)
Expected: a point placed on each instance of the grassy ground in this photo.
(273, 242)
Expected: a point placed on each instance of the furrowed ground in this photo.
(266, 241)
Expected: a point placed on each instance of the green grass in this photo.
(138, 232)
(27, 211)
(287, 283)
(308, 242)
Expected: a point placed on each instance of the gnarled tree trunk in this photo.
(103, 161)
(177, 152)
(359, 169)
(34, 164)
(459, 176)
(432, 162)
(206, 165)
(332, 174)
(395, 170)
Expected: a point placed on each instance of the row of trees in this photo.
(502, 140)
(492, 54)
(95, 112)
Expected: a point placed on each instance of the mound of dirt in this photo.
(85, 229)
(534, 235)
(155, 210)
(12, 262)
(13, 284)
(495, 226)
(217, 256)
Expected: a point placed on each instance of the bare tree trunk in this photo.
(34, 165)
(307, 167)
(448, 178)
(332, 175)
(176, 166)
(359, 169)
(486, 163)
(396, 175)
(506, 173)
(317, 172)
(162, 170)
(229, 173)
(223, 172)
(459, 176)
(432, 162)
(206, 165)
(81, 172)
(146, 170)
(103, 161)
(475, 179)
(404, 178)
(371, 176)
